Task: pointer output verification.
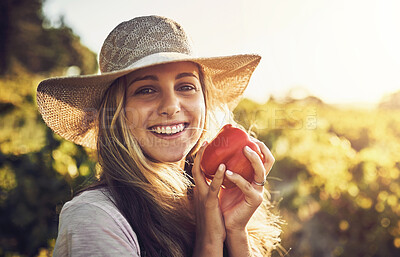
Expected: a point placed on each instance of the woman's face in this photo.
(165, 109)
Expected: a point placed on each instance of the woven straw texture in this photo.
(152, 35)
(69, 105)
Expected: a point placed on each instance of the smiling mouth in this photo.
(168, 130)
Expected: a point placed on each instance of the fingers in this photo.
(253, 197)
(269, 158)
(258, 166)
(217, 180)
(198, 176)
(269, 161)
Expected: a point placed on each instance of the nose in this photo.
(170, 104)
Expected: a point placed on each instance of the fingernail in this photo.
(247, 148)
(221, 166)
(204, 143)
(229, 173)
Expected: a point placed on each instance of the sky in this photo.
(342, 51)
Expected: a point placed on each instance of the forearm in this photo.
(208, 248)
(238, 244)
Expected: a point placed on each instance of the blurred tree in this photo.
(24, 40)
(4, 32)
(337, 175)
(38, 170)
(337, 172)
(391, 102)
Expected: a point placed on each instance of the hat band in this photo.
(158, 58)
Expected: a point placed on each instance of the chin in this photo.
(170, 154)
(172, 159)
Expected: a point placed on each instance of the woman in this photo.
(149, 115)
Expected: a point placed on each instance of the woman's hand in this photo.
(223, 214)
(210, 228)
(238, 204)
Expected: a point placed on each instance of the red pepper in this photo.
(227, 148)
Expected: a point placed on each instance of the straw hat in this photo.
(69, 105)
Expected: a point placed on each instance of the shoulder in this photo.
(93, 202)
(91, 222)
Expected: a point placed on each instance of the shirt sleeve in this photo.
(89, 230)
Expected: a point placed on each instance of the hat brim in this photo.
(69, 105)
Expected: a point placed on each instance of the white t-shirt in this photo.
(91, 225)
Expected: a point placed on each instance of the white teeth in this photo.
(168, 129)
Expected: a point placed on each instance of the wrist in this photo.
(237, 237)
(237, 242)
(210, 238)
(208, 248)
(236, 233)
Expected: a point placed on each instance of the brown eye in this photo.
(144, 91)
(186, 87)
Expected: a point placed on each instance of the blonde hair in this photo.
(156, 197)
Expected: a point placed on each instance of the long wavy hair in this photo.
(154, 197)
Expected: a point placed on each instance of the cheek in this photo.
(137, 115)
(133, 117)
(198, 108)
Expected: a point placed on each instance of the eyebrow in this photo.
(185, 74)
(152, 77)
(148, 77)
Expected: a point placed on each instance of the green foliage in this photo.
(25, 42)
(336, 174)
(38, 170)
